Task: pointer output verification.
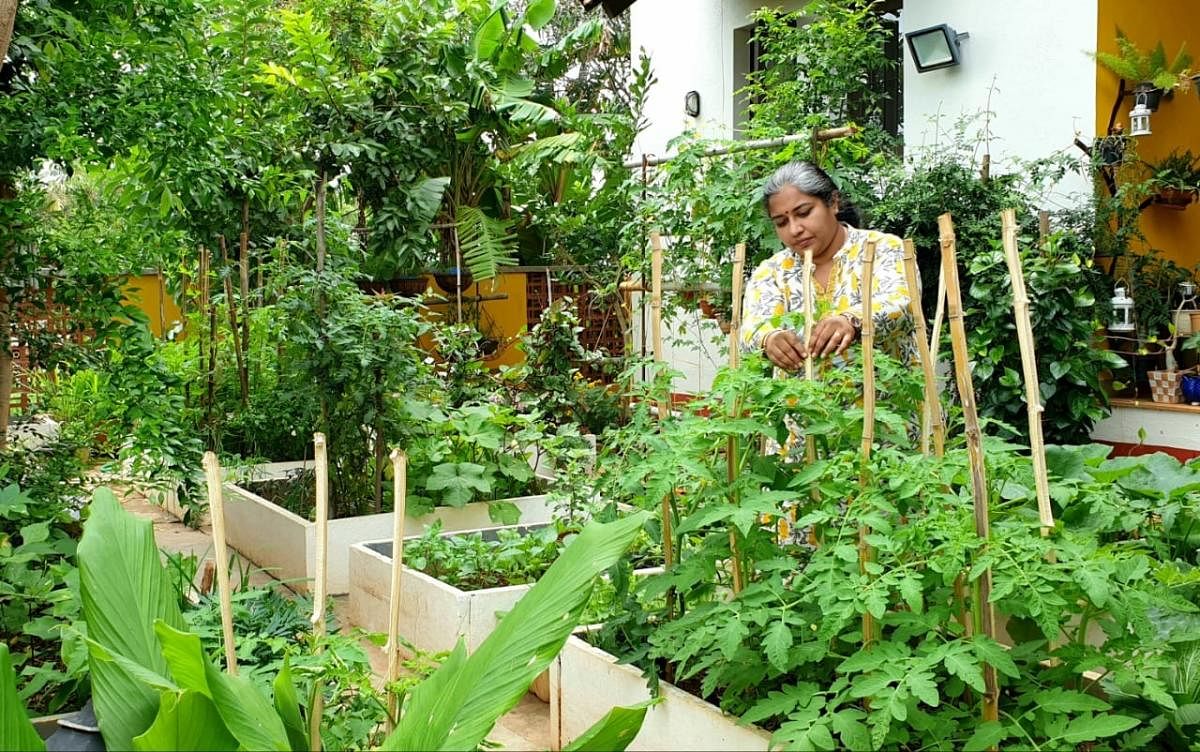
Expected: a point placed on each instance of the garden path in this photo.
(526, 727)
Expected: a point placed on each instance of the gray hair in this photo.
(805, 177)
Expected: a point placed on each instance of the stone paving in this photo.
(526, 727)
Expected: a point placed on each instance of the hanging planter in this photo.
(450, 281)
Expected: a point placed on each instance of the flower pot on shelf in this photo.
(1174, 198)
(1166, 386)
(1190, 386)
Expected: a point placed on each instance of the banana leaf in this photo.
(186, 722)
(16, 730)
(124, 590)
(458, 705)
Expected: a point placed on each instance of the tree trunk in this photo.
(8, 17)
(7, 192)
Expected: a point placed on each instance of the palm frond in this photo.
(486, 243)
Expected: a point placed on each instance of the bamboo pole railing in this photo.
(825, 134)
(664, 404)
(321, 468)
(731, 448)
(984, 614)
(1033, 397)
(865, 553)
(392, 647)
(216, 509)
(933, 424)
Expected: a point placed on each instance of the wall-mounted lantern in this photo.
(1139, 117)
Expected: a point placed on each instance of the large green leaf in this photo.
(457, 706)
(124, 590)
(613, 732)
(245, 711)
(486, 243)
(16, 731)
(539, 12)
(489, 36)
(186, 722)
(287, 704)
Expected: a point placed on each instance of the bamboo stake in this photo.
(932, 422)
(810, 446)
(243, 372)
(731, 449)
(865, 554)
(1033, 397)
(935, 335)
(392, 648)
(664, 405)
(985, 614)
(321, 468)
(216, 509)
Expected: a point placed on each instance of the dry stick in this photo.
(216, 510)
(392, 648)
(865, 554)
(985, 614)
(935, 334)
(244, 273)
(810, 447)
(731, 448)
(664, 406)
(321, 468)
(932, 421)
(243, 373)
(1033, 397)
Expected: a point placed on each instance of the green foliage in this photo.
(472, 561)
(39, 583)
(1179, 170)
(788, 651)
(16, 731)
(1136, 65)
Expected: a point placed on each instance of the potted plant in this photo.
(1176, 178)
(1150, 72)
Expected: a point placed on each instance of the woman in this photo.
(808, 212)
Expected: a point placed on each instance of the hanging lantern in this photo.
(1139, 117)
(1186, 309)
(1122, 306)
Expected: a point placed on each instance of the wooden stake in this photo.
(664, 405)
(935, 334)
(392, 648)
(731, 448)
(216, 510)
(1033, 397)
(865, 554)
(985, 614)
(932, 423)
(321, 468)
(810, 446)
(239, 353)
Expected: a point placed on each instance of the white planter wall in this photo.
(586, 682)
(432, 614)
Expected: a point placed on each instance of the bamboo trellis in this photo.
(321, 468)
(933, 424)
(731, 448)
(664, 405)
(865, 553)
(392, 647)
(983, 611)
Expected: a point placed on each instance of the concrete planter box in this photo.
(586, 682)
(432, 614)
(286, 544)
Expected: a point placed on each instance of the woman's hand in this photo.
(831, 336)
(786, 350)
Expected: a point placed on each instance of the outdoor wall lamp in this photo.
(935, 47)
(1139, 117)
(1122, 311)
(691, 103)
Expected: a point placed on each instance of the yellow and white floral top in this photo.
(777, 287)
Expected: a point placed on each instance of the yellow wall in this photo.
(1176, 124)
(148, 293)
(503, 319)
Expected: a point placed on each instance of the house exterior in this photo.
(1028, 62)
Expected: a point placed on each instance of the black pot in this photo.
(409, 287)
(1148, 93)
(449, 280)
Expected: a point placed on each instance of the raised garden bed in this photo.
(285, 543)
(585, 682)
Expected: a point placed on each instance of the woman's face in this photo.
(804, 221)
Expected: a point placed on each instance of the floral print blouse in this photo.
(777, 287)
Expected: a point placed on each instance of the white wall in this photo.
(690, 44)
(1031, 56)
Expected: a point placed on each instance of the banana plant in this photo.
(154, 687)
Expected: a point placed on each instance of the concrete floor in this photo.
(525, 727)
